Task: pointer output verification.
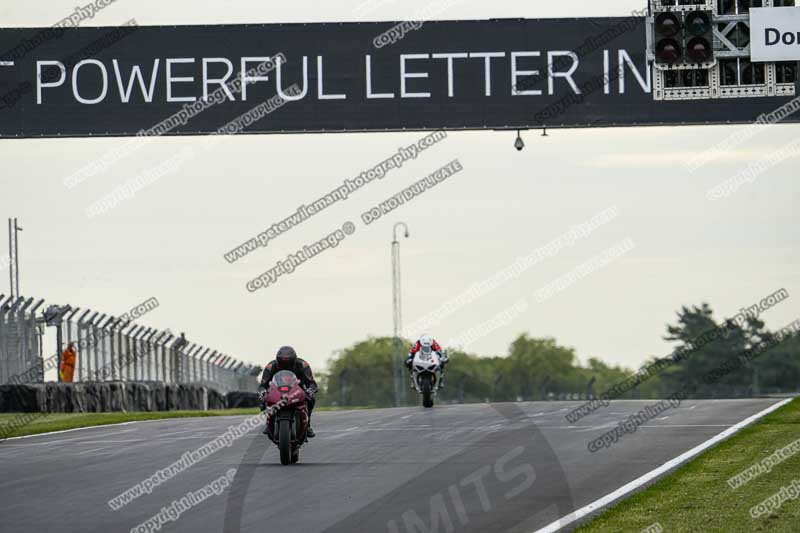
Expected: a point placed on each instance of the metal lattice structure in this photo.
(730, 74)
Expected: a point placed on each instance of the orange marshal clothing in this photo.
(67, 365)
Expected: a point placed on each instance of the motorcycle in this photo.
(287, 415)
(426, 374)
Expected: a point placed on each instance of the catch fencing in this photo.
(111, 348)
(20, 339)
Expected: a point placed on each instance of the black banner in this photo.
(497, 74)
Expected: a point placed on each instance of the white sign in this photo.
(775, 34)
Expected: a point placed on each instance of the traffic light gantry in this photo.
(700, 49)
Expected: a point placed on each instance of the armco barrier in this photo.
(108, 397)
(241, 399)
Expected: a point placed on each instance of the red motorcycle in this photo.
(287, 415)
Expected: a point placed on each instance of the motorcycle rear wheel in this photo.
(285, 441)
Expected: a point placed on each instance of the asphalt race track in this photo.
(481, 467)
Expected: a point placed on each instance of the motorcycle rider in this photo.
(427, 344)
(286, 359)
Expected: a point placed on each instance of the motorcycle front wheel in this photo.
(285, 441)
(427, 388)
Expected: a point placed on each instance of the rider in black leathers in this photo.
(286, 359)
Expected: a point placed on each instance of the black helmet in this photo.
(286, 358)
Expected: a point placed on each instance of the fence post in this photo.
(141, 353)
(152, 355)
(39, 355)
(137, 352)
(112, 352)
(130, 349)
(5, 376)
(218, 364)
(210, 367)
(164, 350)
(59, 339)
(105, 344)
(214, 360)
(144, 353)
(196, 368)
(22, 355)
(184, 358)
(226, 374)
(203, 367)
(223, 371)
(91, 352)
(116, 349)
(125, 347)
(149, 340)
(138, 372)
(198, 357)
(97, 327)
(192, 351)
(68, 319)
(80, 369)
(91, 343)
(162, 341)
(173, 363)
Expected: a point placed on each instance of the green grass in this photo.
(697, 497)
(35, 423)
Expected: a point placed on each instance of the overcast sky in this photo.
(167, 241)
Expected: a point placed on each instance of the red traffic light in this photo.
(699, 50)
(667, 24)
(668, 51)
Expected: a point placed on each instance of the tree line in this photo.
(710, 360)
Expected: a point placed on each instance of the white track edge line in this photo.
(134, 422)
(81, 428)
(636, 483)
(114, 424)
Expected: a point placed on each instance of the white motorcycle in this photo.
(426, 374)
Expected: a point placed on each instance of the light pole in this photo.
(397, 315)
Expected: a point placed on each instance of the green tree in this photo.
(540, 368)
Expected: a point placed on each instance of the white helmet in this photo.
(426, 342)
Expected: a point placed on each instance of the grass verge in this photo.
(697, 496)
(19, 424)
